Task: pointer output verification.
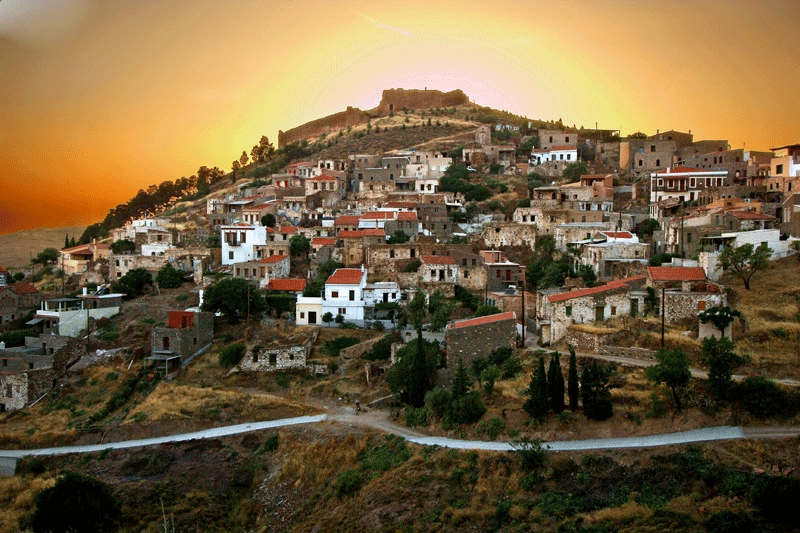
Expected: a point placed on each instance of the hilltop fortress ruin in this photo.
(392, 100)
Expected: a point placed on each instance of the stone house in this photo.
(686, 291)
(654, 155)
(501, 273)
(438, 269)
(343, 295)
(262, 270)
(24, 378)
(556, 312)
(500, 234)
(346, 222)
(76, 259)
(474, 338)
(552, 161)
(550, 138)
(322, 248)
(356, 244)
(285, 355)
(186, 334)
(514, 299)
(16, 299)
(607, 251)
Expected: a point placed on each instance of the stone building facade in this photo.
(473, 338)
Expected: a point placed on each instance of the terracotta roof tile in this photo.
(482, 320)
(347, 220)
(379, 215)
(676, 273)
(406, 215)
(373, 232)
(611, 285)
(618, 234)
(323, 241)
(563, 147)
(401, 205)
(346, 276)
(272, 259)
(350, 234)
(287, 284)
(438, 260)
(24, 288)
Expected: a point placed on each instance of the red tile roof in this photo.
(350, 234)
(438, 260)
(676, 273)
(407, 215)
(684, 170)
(323, 241)
(380, 215)
(750, 215)
(347, 220)
(323, 177)
(611, 285)
(347, 276)
(563, 147)
(287, 284)
(282, 229)
(618, 234)
(483, 320)
(374, 232)
(24, 288)
(401, 205)
(272, 259)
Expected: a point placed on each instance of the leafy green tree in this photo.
(595, 392)
(231, 355)
(66, 241)
(486, 310)
(637, 135)
(745, 260)
(327, 317)
(554, 274)
(231, 296)
(722, 361)
(536, 404)
(398, 237)
(169, 277)
(586, 273)
(76, 503)
(122, 246)
(48, 255)
(263, 151)
(659, 259)
(573, 387)
(673, 371)
(134, 282)
(720, 316)
(268, 220)
(420, 378)
(299, 244)
(534, 180)
(645, 229)
(314, 288)
(574, 171)
(555, 383)
(489, 375)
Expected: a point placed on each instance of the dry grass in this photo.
(625, 513)
(171, 401)
(16, 249)
(16, 499)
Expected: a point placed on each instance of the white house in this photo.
(239, 242)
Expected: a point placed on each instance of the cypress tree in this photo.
(461, 381)
(537, 405)
(66, 241)
(555, 383)
(573, 389)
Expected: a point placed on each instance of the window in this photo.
(342, 310)
(566, 139)
(569, 310)
(230, 255)
(652, 147)
(658, 162)
(701, 305)
(778, 169)
(568, 156)
(334, 294)
(302, 314)
(613, 310)
(352, 295)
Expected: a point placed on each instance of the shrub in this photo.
(762, 398)
(511, 367)
(729, 522)
(417, 416)
(76, 503)
(495, 426)
(413, 266)
(468, 408)
(531, 453)
(382, 349)
(488, 376)
(776, 497)
(349, 482)
(438, 401)
(271, 444)
(231, 355)
(334, 347)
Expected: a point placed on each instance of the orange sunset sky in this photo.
(101, 99)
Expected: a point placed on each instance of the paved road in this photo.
(378, 422)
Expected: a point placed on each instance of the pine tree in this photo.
(66, 241)
(461, 381)
(537, 405)
(573, 389)
(595, 392)
(555, 383)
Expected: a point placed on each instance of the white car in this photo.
(470, 169)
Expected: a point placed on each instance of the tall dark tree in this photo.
(536, 404)
(169, 277)
(722, 361)
(66, 241)
(555, 383)
(420, 378)
(461, 382)
(595, 392)
(573, 388)
(673, 371)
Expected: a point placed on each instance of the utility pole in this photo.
(662, 315)
(523, 310)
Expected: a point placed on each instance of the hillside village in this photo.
(518, 235)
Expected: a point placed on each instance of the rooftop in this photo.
(676, 273)
(438, 260)
(347, 276)
(287, 284)
(611, 285)
(500, 317)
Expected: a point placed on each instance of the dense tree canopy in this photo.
(230, 296)
(76, 503)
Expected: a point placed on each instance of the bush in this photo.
(468, 408)
(271, 444)
(417, 416)
(659, 259)
(762, 398)
(413, 266)
(169, 277)
(334, 347)
(382, 349)
(531, 453)
(729, 522)
(511, 367)
(349, 482)
(776, 497)
(438, 401)
(231, 355)
(76, 503)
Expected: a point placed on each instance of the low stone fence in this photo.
(584, 341)
(630, 352)
(357, 350)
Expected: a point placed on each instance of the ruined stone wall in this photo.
(357, 350)
(499, 234)
(584, 341)
(685, 305)
(394, 100)
(19, 389)
(629, 352)
(473, 342)
(389, 259)
(276, 359)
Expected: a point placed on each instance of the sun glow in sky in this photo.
(101, 99)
